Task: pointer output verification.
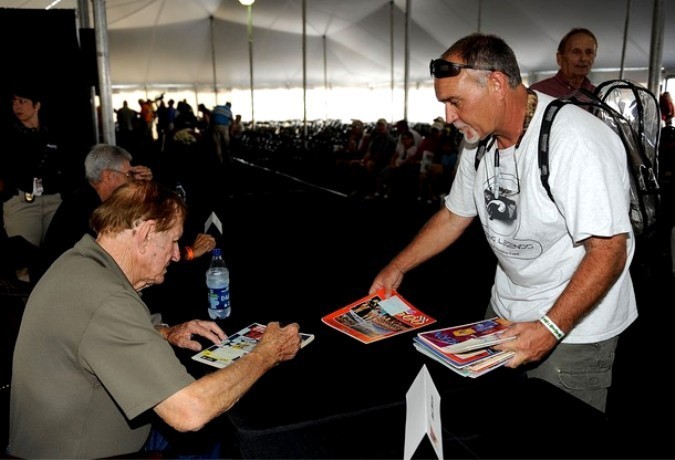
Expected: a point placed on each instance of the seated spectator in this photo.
(106, 168)
(404, 165)
(442, 170)
(428, 154)
(402, 127)
(355, 145)
(364, 171)
(353, 148)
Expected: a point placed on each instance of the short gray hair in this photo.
(102, 157)
(489, 52)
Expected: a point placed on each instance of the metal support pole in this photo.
(480, 15)
(85, 23)
(325, 78)
(391, 54)
(83, 14)
(625, 39)
(103, 62)
(213, 59)
(656, 48)
(250, 58)
(304, 73)
(408, 5)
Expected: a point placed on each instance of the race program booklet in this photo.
(374, 317)
(237, 345)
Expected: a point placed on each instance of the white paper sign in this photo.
(423, 415)
(213, 220)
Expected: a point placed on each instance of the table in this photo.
(340, 398)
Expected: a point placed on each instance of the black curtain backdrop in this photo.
(40, 49)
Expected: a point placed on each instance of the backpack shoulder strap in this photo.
(544, 135)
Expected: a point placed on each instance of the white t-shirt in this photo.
(538, 243)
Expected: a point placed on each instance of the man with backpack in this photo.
(563, 275)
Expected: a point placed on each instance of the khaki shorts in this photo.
(30, 219)
(583, 370)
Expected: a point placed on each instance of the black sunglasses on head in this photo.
(440, 68)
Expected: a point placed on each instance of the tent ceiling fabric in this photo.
(169, 41)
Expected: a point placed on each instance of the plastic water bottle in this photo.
(218, 282)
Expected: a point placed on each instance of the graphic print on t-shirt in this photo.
(502, 201)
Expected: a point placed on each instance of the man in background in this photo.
(576, 54)
(107, 167)
(221, 119)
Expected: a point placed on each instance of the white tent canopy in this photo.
(340, 59)
(164, 42)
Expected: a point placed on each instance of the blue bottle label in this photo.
(219, 298)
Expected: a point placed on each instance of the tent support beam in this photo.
(103, 62)
(213, 59)
(406, 65)
(391, 54)
(625, 39)
(85, 23)
(325, 76)
(304, 73)
(656, 48)
(250, 57)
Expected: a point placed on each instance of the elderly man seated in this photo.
(91, 360)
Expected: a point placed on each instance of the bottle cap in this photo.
(216, 252)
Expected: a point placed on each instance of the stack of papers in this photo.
(466, 349)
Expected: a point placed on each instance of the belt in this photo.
(28, 196)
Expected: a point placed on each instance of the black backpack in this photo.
(632, 111)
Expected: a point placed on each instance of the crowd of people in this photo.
(562, 277)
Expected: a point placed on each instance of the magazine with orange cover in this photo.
(374, 317)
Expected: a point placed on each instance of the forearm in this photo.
(599, 269)
(210, 396)
(195, 405)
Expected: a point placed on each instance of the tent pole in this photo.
(656, 48)
(480, 14)
(250, 57)
(325, 78)
(304, 73)
(213, 59)
(103, 61)
(406, 64)
(391, 54)
(625, 39)
(85, 23)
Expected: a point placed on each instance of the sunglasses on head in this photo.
(440, 68)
